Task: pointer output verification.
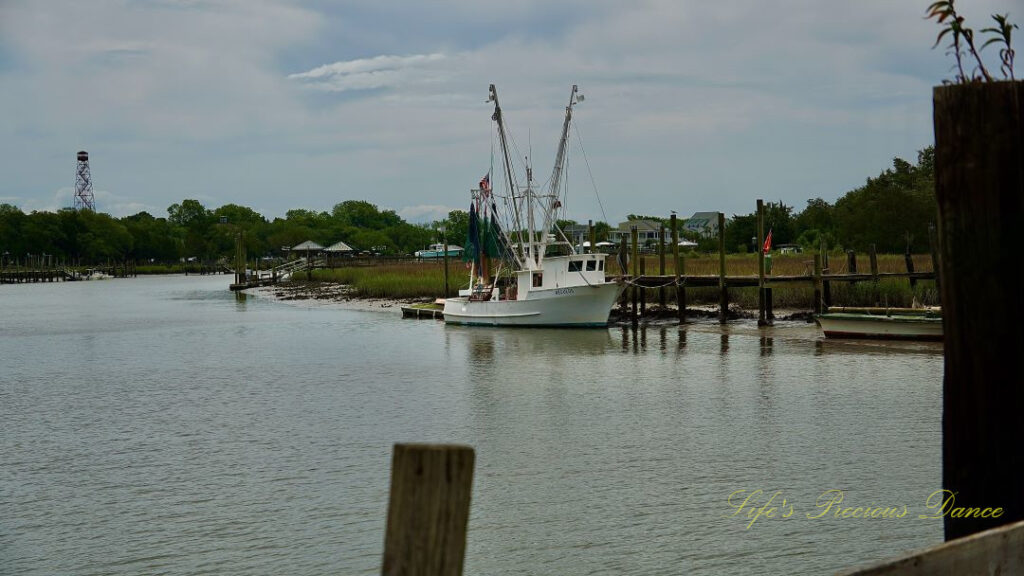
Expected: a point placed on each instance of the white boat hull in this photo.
(881, 327)
(578, 306)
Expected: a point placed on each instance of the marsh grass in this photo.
(398, 280)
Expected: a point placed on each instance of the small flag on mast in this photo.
(768, 243)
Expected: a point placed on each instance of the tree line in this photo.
(891, 211)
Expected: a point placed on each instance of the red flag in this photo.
(768, 243)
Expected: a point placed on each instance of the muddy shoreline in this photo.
(335, 295)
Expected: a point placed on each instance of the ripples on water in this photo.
(159, 425)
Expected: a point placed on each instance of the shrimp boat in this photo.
(523, 269)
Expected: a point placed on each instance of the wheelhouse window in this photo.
(591, 265)
(538, 279)
(575, 265)
(600, 265)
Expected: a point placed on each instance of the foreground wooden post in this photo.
(428, 512)
(979, 185)
(723, 297)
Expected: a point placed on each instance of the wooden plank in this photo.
(428, 511)
(979, 187)
(996, 551)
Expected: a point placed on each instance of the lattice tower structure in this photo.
(84, 199)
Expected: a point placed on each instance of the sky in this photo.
(690, 105)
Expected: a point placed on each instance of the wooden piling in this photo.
(979, 186)
(723, 297)
(909, 261)
(761, 311)
(873, 258)
(592, 236)
(624, 296)
(677, 266)
(826, 287)
(428, 511)
(661, 265)
(643, 291)
(933, 244)
(816, 305)
(635, 238)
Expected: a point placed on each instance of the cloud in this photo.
(425, 213)
(369, 73)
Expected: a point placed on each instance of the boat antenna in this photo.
(556, 173)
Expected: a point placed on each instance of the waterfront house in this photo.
(705, 224)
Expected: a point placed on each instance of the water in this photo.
(159, 425)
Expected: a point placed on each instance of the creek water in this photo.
(164, 425)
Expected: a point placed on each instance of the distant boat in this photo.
(525, 271)
(882, 323)
(437, 251)
(93, 274)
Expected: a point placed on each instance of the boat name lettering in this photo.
(564, 291)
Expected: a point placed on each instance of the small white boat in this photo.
(437, 251)
(882, 323)
(524, 269)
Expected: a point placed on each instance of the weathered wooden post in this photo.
(816, 305)
(624, 297)
(643, 291)
(723, 297)
(661, 265)
(826, 287)
(933, 243)
(592, 236)
(428, 511)
(761, 315)
(909, 261)
(979, 185)
(635, 238)
(680, 294)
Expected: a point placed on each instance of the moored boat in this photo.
(438, 251)
(523, 269)
(882, 323)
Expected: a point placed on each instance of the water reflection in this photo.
(766, 346)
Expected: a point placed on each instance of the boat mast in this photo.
(509, 175)
(551, 209)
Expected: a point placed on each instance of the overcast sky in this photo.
(691, 105)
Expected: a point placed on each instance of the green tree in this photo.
(899, 201)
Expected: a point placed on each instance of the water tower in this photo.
(84, 198)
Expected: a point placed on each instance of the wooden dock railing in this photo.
(996, 551)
